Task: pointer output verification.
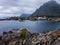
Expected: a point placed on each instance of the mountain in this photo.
(50, 8)
(24, 16)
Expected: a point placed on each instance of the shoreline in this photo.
(23, 36)
(30, 20)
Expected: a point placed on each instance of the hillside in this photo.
(24, 16)
(50, 8)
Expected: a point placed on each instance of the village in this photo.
(45, 18)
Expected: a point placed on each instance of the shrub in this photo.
(23, 33)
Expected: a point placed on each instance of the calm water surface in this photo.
(33, 26)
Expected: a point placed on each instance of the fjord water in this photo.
(33, 26)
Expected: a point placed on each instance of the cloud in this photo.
(8, 2)
(17, 7)
(13, 7)
(10, 11)
(27, 3)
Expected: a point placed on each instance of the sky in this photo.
(18, 7)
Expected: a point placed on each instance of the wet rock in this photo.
(0, 37)
(4, 33)
(24, 37)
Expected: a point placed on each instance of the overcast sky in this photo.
(17, 7)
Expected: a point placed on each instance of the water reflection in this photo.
(33, 26)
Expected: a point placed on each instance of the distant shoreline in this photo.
(31, 20)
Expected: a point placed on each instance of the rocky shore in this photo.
(24, 37)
